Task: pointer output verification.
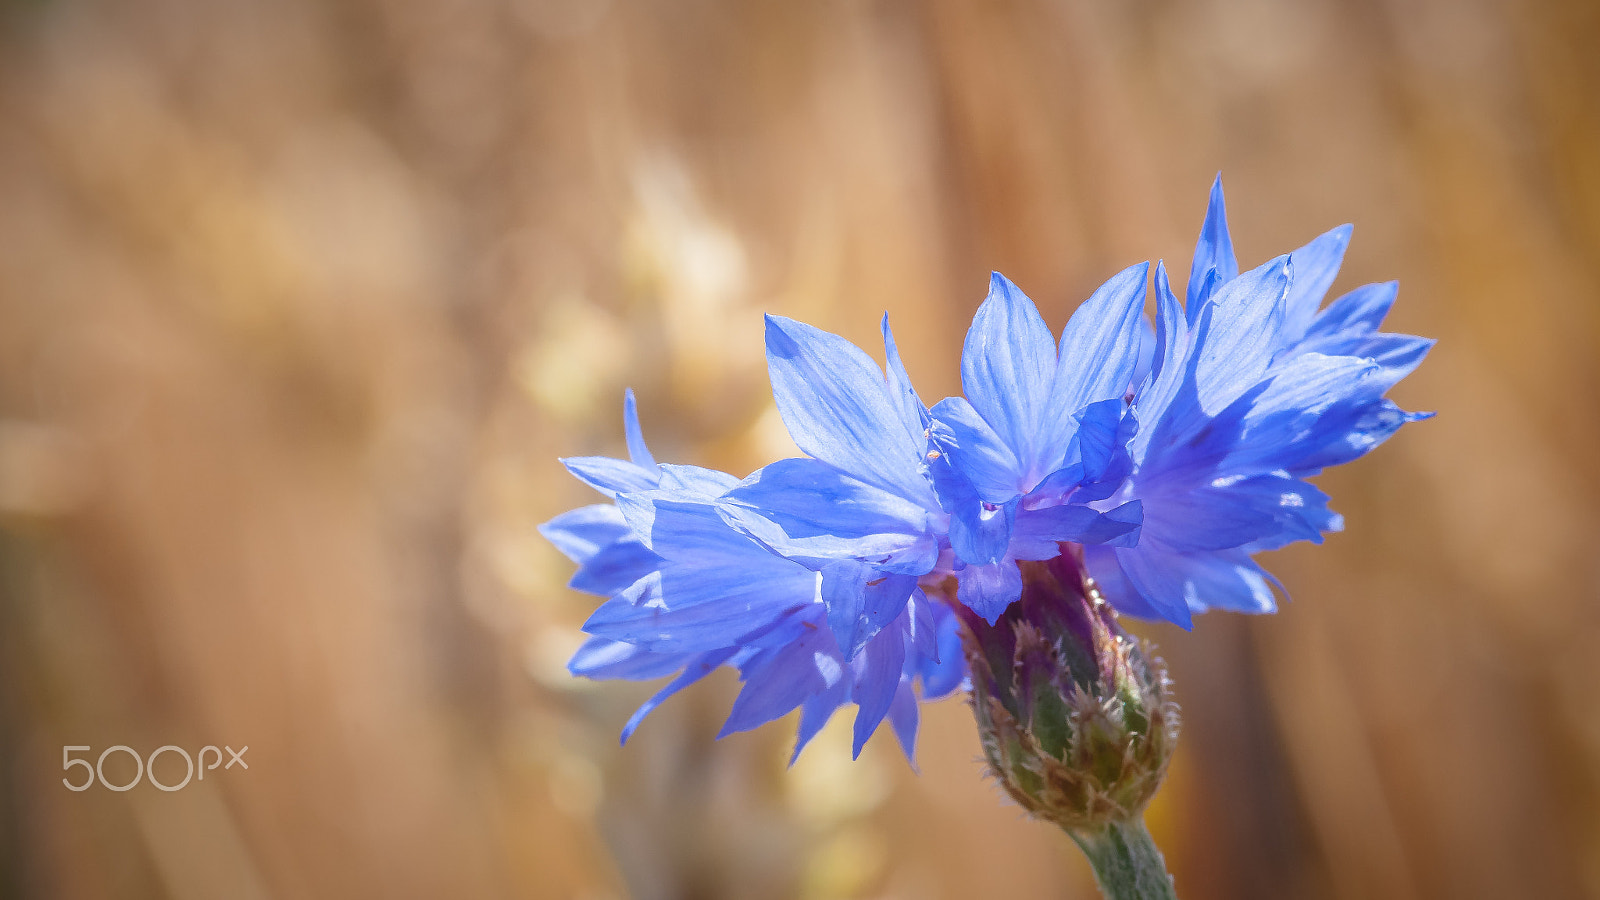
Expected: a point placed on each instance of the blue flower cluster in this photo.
(1166, 456)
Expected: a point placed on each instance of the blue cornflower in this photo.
(688, 594)
(1164, 457)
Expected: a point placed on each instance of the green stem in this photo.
(1126, 862)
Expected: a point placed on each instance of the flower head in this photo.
(1160, 457)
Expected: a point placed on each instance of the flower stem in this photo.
(1126, 862)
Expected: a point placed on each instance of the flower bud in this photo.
(1077, 722)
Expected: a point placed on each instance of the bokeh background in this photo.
(300, 302)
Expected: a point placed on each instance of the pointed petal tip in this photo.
(1217, 204)
(1000, 285)
(783, 337)
(775, 324)
(638, 451)
(632, 725)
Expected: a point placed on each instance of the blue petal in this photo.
(1244, 334)
(810, 512)
(1396, 354)
(779, 679)
(1099, 353)
(1153, 574)
(903, 715)
(1361, 311)
(602, 658)
(695, 481)
(1196, 300)
(911, 554)
(1213, 252)
(988, 589)
(715, 587)
(719, 616)
(913, 414)
(981, 532)
(1098, 426)
(610, 476)
(1172, 328)
(1301, 410)
(810, 498)
(614, 567)
(1310, 383)
(580, 533)
(1348, 434)
(694, 671)
(1315, 267)
(1058, 484)
(1227, 579)
(1117, 468)
(1008, 365)
(877, 678)
(1037, 531)
(819, 708)
(1147, 354)
(1169, 402)
(1099, 458)
(680, 529)
(1218, 516)
(861, 601)
(1113, 584)
(637, 451)
(921, 625)
(977, 451)
(1300, 509)
(945, 672)
(700, 578)
(839, 409)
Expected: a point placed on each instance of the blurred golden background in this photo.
(300, 302)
